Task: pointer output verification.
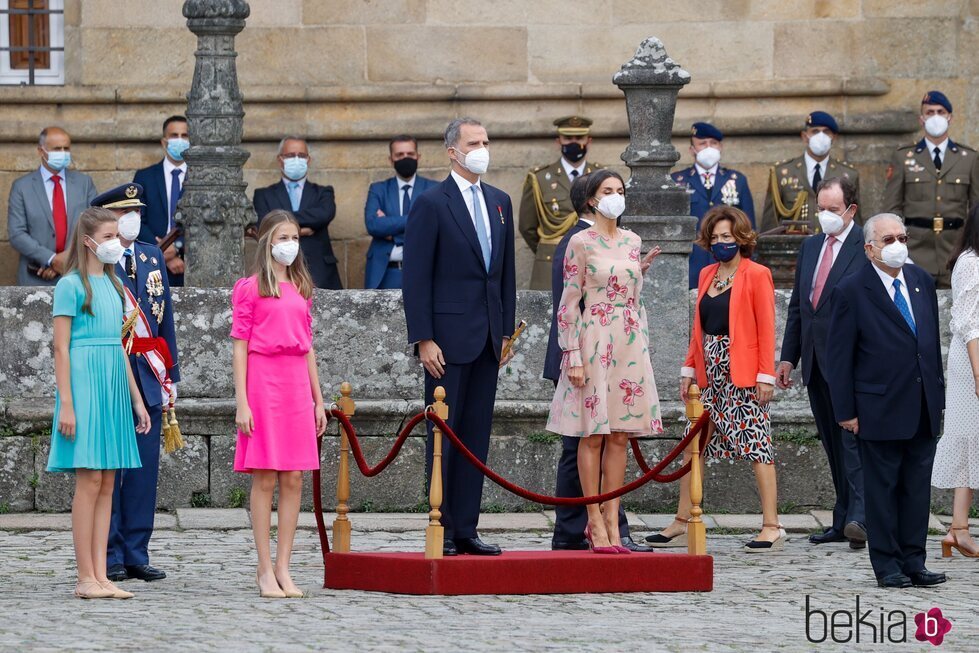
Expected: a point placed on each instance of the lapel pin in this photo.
(153, 260)
(499, 210)
(917, 290)
(142, 257)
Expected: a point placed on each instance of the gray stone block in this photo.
(183, 474)
(212, 518)
(54, 491)
(18, 476)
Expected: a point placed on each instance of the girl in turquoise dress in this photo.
(96, 399)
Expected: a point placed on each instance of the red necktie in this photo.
(60, 215)
(824, 266)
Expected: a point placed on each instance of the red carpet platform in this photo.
(520, 572)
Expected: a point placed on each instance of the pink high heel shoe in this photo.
(620, 549)
(598, 549)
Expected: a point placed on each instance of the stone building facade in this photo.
(349, 74)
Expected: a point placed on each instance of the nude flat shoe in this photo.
(90, 589)
(117, 592)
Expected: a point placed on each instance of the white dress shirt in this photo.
(942, 147)
(467, 195)
(811, 164)
(841, 238)
(568, 167)
(168, 169)
(703, 171)
(888, 282)
(398, 251)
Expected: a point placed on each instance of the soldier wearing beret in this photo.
(546, 213)
(711, 184)
(933, 185)
(790, 197)
(150, 337)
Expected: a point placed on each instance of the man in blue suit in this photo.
(709, 185)
(824, 259)
(388, 204)
(888, 389)
(163, 184)
(154, 361)
(460, 305)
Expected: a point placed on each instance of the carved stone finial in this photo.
(651, 64)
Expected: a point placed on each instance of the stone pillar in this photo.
(657, 209)
(214, 208)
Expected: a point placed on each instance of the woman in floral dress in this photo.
(606, 393)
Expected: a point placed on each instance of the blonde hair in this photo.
(88, 223)
(298, 273)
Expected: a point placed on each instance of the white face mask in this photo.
(831, 223)
(894, 255)
(819, 143)
(475, 161)
(708, 157)
(936, 125)
(129, 225)
(110, 252)
(285, 253)
(612, 206)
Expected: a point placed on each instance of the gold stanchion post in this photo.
(341, 525)
(435, 534)
(696, 532)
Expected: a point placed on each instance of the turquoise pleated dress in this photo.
(105, 434)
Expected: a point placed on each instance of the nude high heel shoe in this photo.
(954, 544)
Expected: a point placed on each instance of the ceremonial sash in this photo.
(140, 339)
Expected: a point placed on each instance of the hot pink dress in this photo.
(279, 331)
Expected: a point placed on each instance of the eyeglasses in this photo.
(300, 155)
(889, 240)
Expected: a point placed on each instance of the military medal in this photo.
(153, 260)
(142, 257)
(154, 284)
(553, 185)
(547, 176)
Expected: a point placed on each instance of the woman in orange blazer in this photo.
(732, 359)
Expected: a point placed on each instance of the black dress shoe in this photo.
(570, 546)
(631, 544)
(117, 573)
(449, 548)
(829, 535)
(925, 578)
(145, 572)
(894, 580)
(475, 546)
(857, 534)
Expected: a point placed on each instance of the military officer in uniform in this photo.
(933, 185)
(711, 184)
(790, 196)
(153, 357)
(546, 213)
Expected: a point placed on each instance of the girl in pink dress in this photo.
(280, 406)
(606, 393)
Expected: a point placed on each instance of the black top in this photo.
(715, 313)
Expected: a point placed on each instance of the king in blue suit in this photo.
(388, 204)
(888, 389)
(143, 273)
(460, 304)
(709, 185)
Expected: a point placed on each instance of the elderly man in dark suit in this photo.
(888, 389)
(460, 304)
(42, 210)
(312, 204)
(823, 261)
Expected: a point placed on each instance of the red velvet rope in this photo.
(672, 476)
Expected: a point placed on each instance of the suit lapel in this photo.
(719, 180)
(919, 303)
(307, 195)
(282, 193)
(952, 158)
(561, 177)
(809, 262)
(849, 249)
(881, 296)
(494, 208)
(37, 181)
(393, 193)
(696, 182)
(162, 192)
(457, 207)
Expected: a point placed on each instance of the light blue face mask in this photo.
(176, 148)
(58, 160)
(295, 168)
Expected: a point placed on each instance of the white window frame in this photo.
(53, 76)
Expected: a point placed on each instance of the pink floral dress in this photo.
(609, 339)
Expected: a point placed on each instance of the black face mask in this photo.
(574, 152)
(406, 167)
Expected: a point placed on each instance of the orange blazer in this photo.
(751, 328)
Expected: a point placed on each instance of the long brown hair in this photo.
(298, 273)
(88, 223)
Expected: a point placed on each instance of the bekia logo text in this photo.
(875, 626)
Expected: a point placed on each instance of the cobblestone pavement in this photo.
(210, 603)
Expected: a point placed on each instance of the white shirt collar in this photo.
(286, 181)
(941, 147)
(402, 182)
(590, 223)
(841, 238)
(168, 166)
(47, 174)
(568, 167)
(701, 170)
(811, 164)
(888, 280)
(464, 183)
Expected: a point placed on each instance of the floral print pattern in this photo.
(609, 339)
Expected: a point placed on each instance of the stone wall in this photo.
(360, 338)
(351, 73)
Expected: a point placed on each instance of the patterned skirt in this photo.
(742, 428)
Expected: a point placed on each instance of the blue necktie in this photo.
(902, 306)
(174, 194)
(405, 201)
(481, 235)
(294, 195)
